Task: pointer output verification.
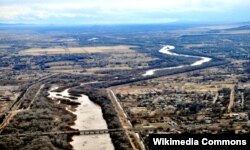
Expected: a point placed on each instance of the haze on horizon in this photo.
(123, 11)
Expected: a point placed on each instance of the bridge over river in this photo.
(80, 132)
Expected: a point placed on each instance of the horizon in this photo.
(173, 24)
(121, 12)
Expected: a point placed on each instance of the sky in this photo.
(123, 11)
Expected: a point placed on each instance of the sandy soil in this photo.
(62, 50)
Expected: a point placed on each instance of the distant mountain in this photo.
(245, 27)
(12, 25)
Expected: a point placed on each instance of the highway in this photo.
(125, 122)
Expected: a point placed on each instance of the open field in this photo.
(89, 59)
(8, 92)
(188, 46)
(76, 50)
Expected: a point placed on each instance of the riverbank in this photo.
(99, 96)
(89, 116)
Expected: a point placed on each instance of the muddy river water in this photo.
(89, 116)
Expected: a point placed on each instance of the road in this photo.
(32, 101)
(216, 95)
(231, 101)
(15, 108)
(125, 121)
(8, 118)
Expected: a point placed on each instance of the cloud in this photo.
(116, 10)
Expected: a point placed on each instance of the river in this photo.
(89, 116)
(167, 50)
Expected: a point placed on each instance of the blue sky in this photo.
(123, 11)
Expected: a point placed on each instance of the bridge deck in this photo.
(80, 132)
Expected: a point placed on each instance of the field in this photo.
(107, 64)
(120, 57)
(76, 50)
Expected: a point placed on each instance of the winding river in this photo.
(167, 50)
(89, 116)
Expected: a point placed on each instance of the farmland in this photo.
(107, 63)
